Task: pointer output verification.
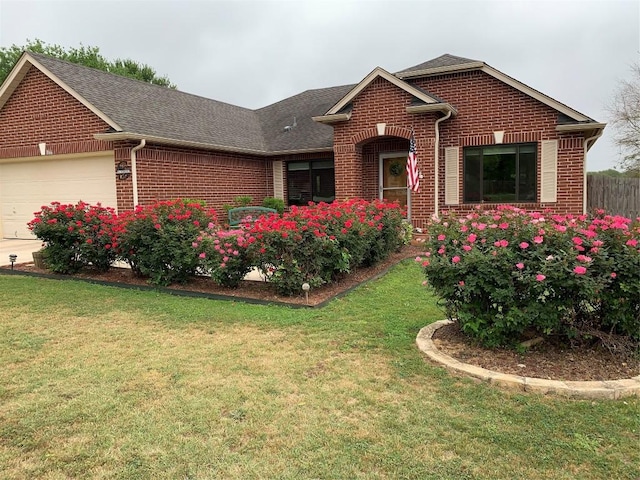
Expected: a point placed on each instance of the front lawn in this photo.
(98, 382)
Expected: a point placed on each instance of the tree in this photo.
(625, 118)
(87, 56)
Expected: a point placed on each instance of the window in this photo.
(500, 173)
(312, 181)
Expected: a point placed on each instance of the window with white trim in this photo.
(500, 173)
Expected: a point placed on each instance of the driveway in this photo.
(22, 248)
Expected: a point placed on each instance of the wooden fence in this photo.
(618, 196)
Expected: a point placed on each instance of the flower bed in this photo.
(170, 242)
(505, 272)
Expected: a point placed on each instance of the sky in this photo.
(254, 53)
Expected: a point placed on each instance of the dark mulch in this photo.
(550, 359)
(253, 290)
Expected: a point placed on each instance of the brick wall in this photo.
(484, 105)
(166, 173)
(40, 111)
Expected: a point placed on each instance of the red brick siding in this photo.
(484, 105)
(166, 173)
(41, 111)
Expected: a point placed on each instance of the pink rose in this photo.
(455, 259)
(520, 265)
(524, 245)
(580, 270)
(540, 277)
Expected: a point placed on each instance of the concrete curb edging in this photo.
(598, 390)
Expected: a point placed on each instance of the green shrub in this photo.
(318, 243)
(507, 271)
(76, 236)
(224, 256)
(276, 203)
(157, 240)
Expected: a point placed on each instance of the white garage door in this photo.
(26, 186)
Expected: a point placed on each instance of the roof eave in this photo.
(115, 136)
(434, 107)
(331, 119)
(580, 127)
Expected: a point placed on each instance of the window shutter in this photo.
(452, 175)
(278, 180)
(549, 171)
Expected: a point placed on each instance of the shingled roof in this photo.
(442, 61)
(137, 109)
(143, 108)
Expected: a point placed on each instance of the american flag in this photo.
(413, 176)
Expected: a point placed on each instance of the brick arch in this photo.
(372, 133)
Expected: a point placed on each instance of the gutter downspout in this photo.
(584, 171)
(437, 163)
(134, 170)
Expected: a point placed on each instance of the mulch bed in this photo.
(248, 290)
(550, 359)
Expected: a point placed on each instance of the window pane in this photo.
(472, 175)
(310, 181)
(297, 166)
(298, 187)
(499, 175)
(324, 187)
(527, 174)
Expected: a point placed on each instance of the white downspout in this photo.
(134, 170)
(436, 162)
(584, 171)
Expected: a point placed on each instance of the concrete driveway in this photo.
(22, 248)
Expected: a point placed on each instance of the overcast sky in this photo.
(254, 53)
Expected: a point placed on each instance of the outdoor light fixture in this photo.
(305, 288)
(12, 258)
(123, 171)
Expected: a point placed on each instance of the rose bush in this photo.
(506, 271)
(157, 240)
(76, 236)
(224, 255)
(315, 244)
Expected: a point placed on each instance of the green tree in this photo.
(87, 56)
(625, 118)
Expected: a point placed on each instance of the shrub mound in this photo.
(169, 242)
(76, 236)
(506, 272)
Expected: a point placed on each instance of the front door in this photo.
(393, 179)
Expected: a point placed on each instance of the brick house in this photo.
(69, 132)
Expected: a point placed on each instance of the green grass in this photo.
(98, 382)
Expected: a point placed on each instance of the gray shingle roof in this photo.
(307, 134)
(140, 107)
(445, 60)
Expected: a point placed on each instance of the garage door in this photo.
(26, 186)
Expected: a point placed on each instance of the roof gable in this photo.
(366, 81)
(451, 64)
(26, 61)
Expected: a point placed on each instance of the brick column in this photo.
(348, 171)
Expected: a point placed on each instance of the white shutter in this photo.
(452, 175)
(278, 180)
(549, 171)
